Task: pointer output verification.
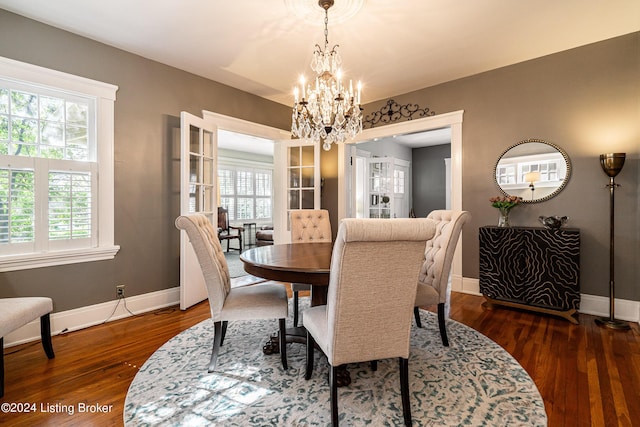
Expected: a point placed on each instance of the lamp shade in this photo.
(532, 177)
(612, 163)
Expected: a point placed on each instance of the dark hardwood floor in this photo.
(588, 376)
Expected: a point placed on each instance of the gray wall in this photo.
(147, 110)
(429, 178)
(587, 101)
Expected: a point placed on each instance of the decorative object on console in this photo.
(553, 222)
(519, 267)
(327, 110)
(394, 112)
(504, 204)
(533, 169)
(612, 165)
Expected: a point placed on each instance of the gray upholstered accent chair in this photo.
(307, 226)
(267, 300)
(372, 287)
(434, 284)
(17, 312)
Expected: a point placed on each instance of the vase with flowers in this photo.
(504, 204)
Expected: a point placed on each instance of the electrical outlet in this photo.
(119, 291)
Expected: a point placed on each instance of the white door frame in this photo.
(276, 135)
(453, 120)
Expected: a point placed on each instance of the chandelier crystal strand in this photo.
(326, 111)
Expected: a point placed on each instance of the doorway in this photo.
(452, 120)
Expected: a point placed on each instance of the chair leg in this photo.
(333, 387)
(404, 390)
(374, 365)
(443, 325)
(283, 343)
(224, 332)
(416, 314)
(45, 333)
(217, 339)
(295, 309)
(310, 347)
(1, 366)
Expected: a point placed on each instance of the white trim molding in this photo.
(104, 95)
(84, 317)
(589, 304)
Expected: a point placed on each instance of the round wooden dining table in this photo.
(294, 262)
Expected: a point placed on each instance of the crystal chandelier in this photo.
(324, 109)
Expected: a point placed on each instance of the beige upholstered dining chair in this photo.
(372, 286)
(17, 312)
(307, 226)
(266, 300)
(433, 284)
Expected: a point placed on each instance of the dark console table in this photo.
(531, 268)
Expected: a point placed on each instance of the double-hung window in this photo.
(56, 168)
(246, 192)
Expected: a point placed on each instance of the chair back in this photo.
(223, 220)
(310, 225)
(372, 289)
(215, 270)
(439, 250)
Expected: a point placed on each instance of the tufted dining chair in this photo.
(307, 226)
(17, 312)
(372, 286)
(434, 284)
(266, 300)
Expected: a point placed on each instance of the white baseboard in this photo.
(589, 304)
(83, 317)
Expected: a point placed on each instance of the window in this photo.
(398, 181)
(245, 191)
(510, 173)
(56, 168)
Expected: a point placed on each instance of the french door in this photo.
(198, 194)
(297, 182)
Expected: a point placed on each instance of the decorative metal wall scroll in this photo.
(394, 112)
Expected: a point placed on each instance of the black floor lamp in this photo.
(612, 165)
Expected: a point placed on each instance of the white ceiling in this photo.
(394, 47)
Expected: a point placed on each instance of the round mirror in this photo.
(533, 169)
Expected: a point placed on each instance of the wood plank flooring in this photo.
(587, 375)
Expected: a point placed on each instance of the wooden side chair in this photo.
(17, 312)
(372, 287)
(266, 300)
(433, 284)
(228, 232)
(307, 226)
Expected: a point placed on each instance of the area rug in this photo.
(474, 382)
(236, 266)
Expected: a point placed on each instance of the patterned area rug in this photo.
(473, 382)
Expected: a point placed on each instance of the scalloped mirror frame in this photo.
(556, 191)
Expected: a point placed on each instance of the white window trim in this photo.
(105, 96)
